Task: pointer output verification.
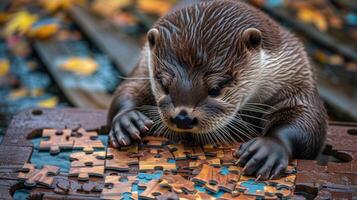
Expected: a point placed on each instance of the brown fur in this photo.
(203, 45)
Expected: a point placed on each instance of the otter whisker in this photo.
(261, 104)
(238, 132)
(254, 125)
(245, 124)
(236, 127)
(134, 78)
(253, 117)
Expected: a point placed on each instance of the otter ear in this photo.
(252, 38)
(153, 35)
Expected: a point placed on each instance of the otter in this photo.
(222, 72)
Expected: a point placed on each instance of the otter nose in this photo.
(184, 121)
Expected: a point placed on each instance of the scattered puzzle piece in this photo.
(119, 160)
(153, 141)
(156, 158)
(180, 151)
(56, 140)
(34, 176)
(83, 173)
(177, 183)
(197, 196)
(86, 141)
(117, 186)
(82, 159)
(152, 189)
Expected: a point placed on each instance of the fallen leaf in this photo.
(80, 66)
(44, 28)
(55, 5)
(4, 67)
(313, 16)
(160, 7)
(18, 93)
(36, 92)
(19, 23)
(48, 103)
(108, 8)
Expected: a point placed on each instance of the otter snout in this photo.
(184, 121)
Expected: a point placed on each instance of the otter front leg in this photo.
(294, 131)
(127, 123)
(266, 157)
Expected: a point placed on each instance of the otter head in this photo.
(203, 67)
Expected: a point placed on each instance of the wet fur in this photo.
(272, 86)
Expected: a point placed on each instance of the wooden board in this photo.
(120, 48)
(51, 53)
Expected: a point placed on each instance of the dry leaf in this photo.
(54, 5)
(36, 92)
(4, 67)
(80, 66)
(160, 7)
(108, 8)
(45, 30)
(312, 16)
(18, 93)
(20, 23)
(48, 103)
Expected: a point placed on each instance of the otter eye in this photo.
(159, 79)
(214, 92)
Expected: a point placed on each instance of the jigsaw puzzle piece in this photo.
(152, 189)
(197, 196)
(153, 159)
(206, 174)
(228, 196)
(56, 140)
(180, 151)
(34, 176)
(120, 160)
(83, 173)
(226, 183)
(82, 159)
(177, 184)
(117, 186)
(153, 141)
(86, 141)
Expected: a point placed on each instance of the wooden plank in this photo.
(28, 124)
(319, 37)
(120, 48)
(11, 155)
(339, 95)
(6, 187)
(83, 97)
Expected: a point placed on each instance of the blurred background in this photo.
(73, 53)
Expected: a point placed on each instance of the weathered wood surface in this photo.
(347, 50)
(120, 48)
(326, 179)
(51, 52)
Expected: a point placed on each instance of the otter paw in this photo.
(263, 157)
(128, 126)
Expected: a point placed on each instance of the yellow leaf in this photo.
(48, 103)
(3, 17)
(320, 22)
(313, 16)
(160, 7)
(80, 66)
(20, 23)
(4, 67)
(54, 5)
(18, 93)
(44, 31)
(109, 7)
(36, 92)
